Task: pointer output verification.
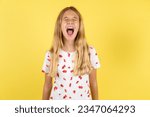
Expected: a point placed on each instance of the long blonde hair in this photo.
(82, 63)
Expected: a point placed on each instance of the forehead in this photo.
(70, 14)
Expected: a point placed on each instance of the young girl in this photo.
(70, 61)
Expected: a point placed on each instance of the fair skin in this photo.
(93, 84)
(47, 87)
(70, 27)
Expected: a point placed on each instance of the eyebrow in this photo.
(75, 17)
(67, 17)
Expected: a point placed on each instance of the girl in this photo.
(70, 61)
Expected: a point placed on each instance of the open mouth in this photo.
(70, 31)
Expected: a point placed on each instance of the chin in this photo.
(70, 37)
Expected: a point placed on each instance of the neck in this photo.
(69, 46)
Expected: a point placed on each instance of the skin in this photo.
(70, 19)
(93, 84)
(47, 87)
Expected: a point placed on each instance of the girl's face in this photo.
(70, 25)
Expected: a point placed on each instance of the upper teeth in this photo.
(69, 27)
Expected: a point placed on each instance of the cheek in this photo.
(62, 27)
(77, 26)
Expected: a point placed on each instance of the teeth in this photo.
(70, 29)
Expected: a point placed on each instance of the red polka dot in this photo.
(64, 60)
(65, 96)
(74, 91)
(96, 62)
(81, 95)
(69, 67)
(77, 82)
(80, 87)
(70, 85)
(61, 85)
(71, 71)
(80, 77)
(49, 59)
(69, 97)
(55, 88)
(64, 78)
(47, 65)
(64, 71)
(63, 66)
(68, 54)
(57, 74)
(65, 90)
(71, 78)
(60, 56)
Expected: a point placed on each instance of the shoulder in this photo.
(92, 49)
(94, 57)
(48, 54)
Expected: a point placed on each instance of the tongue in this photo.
(70, 32)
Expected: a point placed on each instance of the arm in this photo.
(93, 85)
(47, 87)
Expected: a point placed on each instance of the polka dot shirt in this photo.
(66, 85)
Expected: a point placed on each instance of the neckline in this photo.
(72, 52)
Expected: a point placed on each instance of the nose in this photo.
(70, 22)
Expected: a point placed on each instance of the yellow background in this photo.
(118, 29)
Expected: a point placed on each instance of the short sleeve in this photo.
(94, 57)
(46, 63)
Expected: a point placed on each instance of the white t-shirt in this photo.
(66, 85)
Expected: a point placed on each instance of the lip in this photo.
(70, 28)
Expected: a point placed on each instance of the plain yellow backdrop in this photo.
(119, 30)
